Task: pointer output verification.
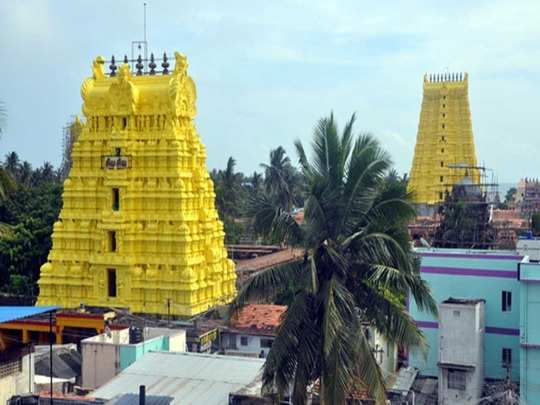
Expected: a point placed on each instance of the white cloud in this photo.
(266, 71)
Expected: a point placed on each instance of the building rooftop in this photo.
(463, 301)
(476, 253)
(182, 378)
(268, 260)
(258, 318)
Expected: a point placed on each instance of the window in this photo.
(440, 195)
(442, 164)
(112, 241)
(456, 314)
(442, 126)
(506, 357)
(115, 199)
(444, 106)
(266, 343)
(124, 123)
(443, 115)
(457, 379)
(243, 340)
(111, 282)
(441, 178)
(442, 150)
(118, 151)
(506, 301)
(442, 138)
(444, 97)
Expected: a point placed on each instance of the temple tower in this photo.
(444, 151)
(138, 228)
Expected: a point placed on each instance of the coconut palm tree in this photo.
(357, 271)
(279, 177)
(12, 163)
(6, 180)
(7, 184)
(256, 182)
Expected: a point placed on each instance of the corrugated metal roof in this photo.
(8, 314)
(186, 378)
(404, 380)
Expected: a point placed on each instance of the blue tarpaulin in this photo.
(8, 314)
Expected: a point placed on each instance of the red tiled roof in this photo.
(262, 318)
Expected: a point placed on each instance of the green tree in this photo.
(29, 211)
(535, 223)
(279, 178)
(510, 196)
(7, 183)
(465, 219)
(230, 200)
(228, 188)
(357, 270)
(12, 164)
(256, 182)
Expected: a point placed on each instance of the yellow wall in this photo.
(168, 235)
(445, 138)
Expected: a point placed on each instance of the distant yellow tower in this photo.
(444, 151)
(138, 228)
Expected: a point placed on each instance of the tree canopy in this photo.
(356, 272)
(29, 210)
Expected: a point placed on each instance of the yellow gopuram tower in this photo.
(444, 151)
(138, 228)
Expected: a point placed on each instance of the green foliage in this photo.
(234, 230)
(30, 211)
(535, 223)
(465, 220)
(510, 195)
(356, 271)
(281, 180)
(230, 191)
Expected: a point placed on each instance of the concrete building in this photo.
(508, 282)
(489, 275)
(252, 331)
(16, 371)
(16, 357)
(106, 355)
(182, 378)
(461, 351)
(529, 358)
(527, 197)
(385, 352)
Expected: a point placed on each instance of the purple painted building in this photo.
(474, 274)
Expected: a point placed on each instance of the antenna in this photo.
(144, 5)
(141, 46)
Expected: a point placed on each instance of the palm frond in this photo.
(294, 353)
(271, 220)
(340, 356)
(302, 158)
(347, 141)
(369, 372)
(388, 314)
(7, 183)
(264, 286)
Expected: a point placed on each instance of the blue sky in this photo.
(267, 71)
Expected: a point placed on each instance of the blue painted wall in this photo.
(493, 273)
(130, 353)
(530, 333)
